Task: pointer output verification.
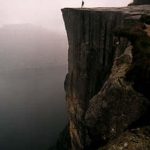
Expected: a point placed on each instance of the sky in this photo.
(45, 13)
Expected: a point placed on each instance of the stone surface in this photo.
(135, 139)
(107, 47)
(141, 2)
(117, 105)
(91, 53)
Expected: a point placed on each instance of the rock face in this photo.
(91, 54)
(137, 139)
(108, 80)
(141, 2)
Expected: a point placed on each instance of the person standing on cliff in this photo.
(82, 4)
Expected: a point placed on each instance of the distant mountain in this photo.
(30, 46)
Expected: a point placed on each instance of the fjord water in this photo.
(32, 99)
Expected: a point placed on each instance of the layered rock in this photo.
(91, 53)
(104, 97)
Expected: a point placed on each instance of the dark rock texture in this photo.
(117, 105)
(108, 80)
(135, 139)
(91, 53)
(141, 2)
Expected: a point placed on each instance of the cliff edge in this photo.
(108, 80)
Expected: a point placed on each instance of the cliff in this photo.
(108, 80)
(139, 2)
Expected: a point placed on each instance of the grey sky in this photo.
(45, 12)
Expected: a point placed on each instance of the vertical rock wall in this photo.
(108, 74)
(90, 58)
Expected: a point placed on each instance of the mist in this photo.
(33, 65)
(46, 13)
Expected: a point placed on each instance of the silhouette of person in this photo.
(82, 4)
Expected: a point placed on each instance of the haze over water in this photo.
(33, 65)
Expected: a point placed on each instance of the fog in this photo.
(46, 12)
(33, 65)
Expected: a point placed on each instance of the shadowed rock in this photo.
(135, 139)
(108, 73)
(141, 2)
(117, 105)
